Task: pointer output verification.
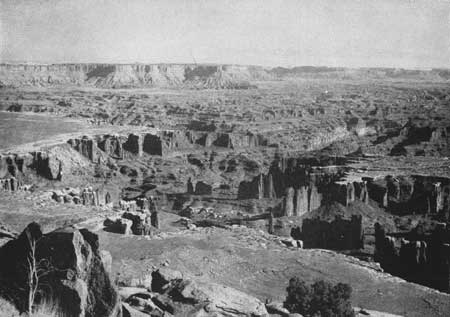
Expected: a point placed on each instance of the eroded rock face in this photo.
(152, 145)
(413, 194)
(307, 184)
(420, 257)
(86, 147)
(51, 163)
(112, 145)
(13, 165)
(289, 202)
(131, 75)
(200, 298)
(339, 234)
(13, 184)
(134, 144)
(141, 222)
(75, 271)
(47, 165)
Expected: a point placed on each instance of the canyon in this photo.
(234, 177)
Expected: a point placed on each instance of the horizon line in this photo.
(221, 64)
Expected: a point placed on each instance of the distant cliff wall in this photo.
(132, 75)
(305, 184)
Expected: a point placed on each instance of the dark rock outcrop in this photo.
(141, 222)
(118, 225)
(134, 144)
(152, 145)
(47, 165)
(13, 184)
(201, 188)
(414, 194)
(86, 147)
(75, 276)
(420, 257)
(338, 234)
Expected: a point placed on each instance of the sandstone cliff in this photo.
(132, 75)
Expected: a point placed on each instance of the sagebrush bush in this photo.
(319, 299)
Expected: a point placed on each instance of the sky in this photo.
(351, 33)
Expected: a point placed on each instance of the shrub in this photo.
(319, 299)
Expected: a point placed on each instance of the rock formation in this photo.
(339, 234)
(201, 298)
(190, 186)
(118, 225)
(128, 205)
(47, 165)
(132, 75)
(155, 219)
(86, 147)
(112, 145)
(75, 273)
(141, 222)
(134, 144)
(201, 188)
(152, 145)
(301, 201)
(288, 204)
(86, 196)
(13, 184)
(414, 194)
(418, 257)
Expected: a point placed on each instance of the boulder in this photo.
(58, 196)
(143, 302)
(277, 308)
(290, 242)
(76, 200)
(68, 198)
(72, 191)
(75, 271)
(126, 292)
(6, 232)
(128, 311)
(198, 298)
(162, 277)
(218, 299)
(144, 281)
